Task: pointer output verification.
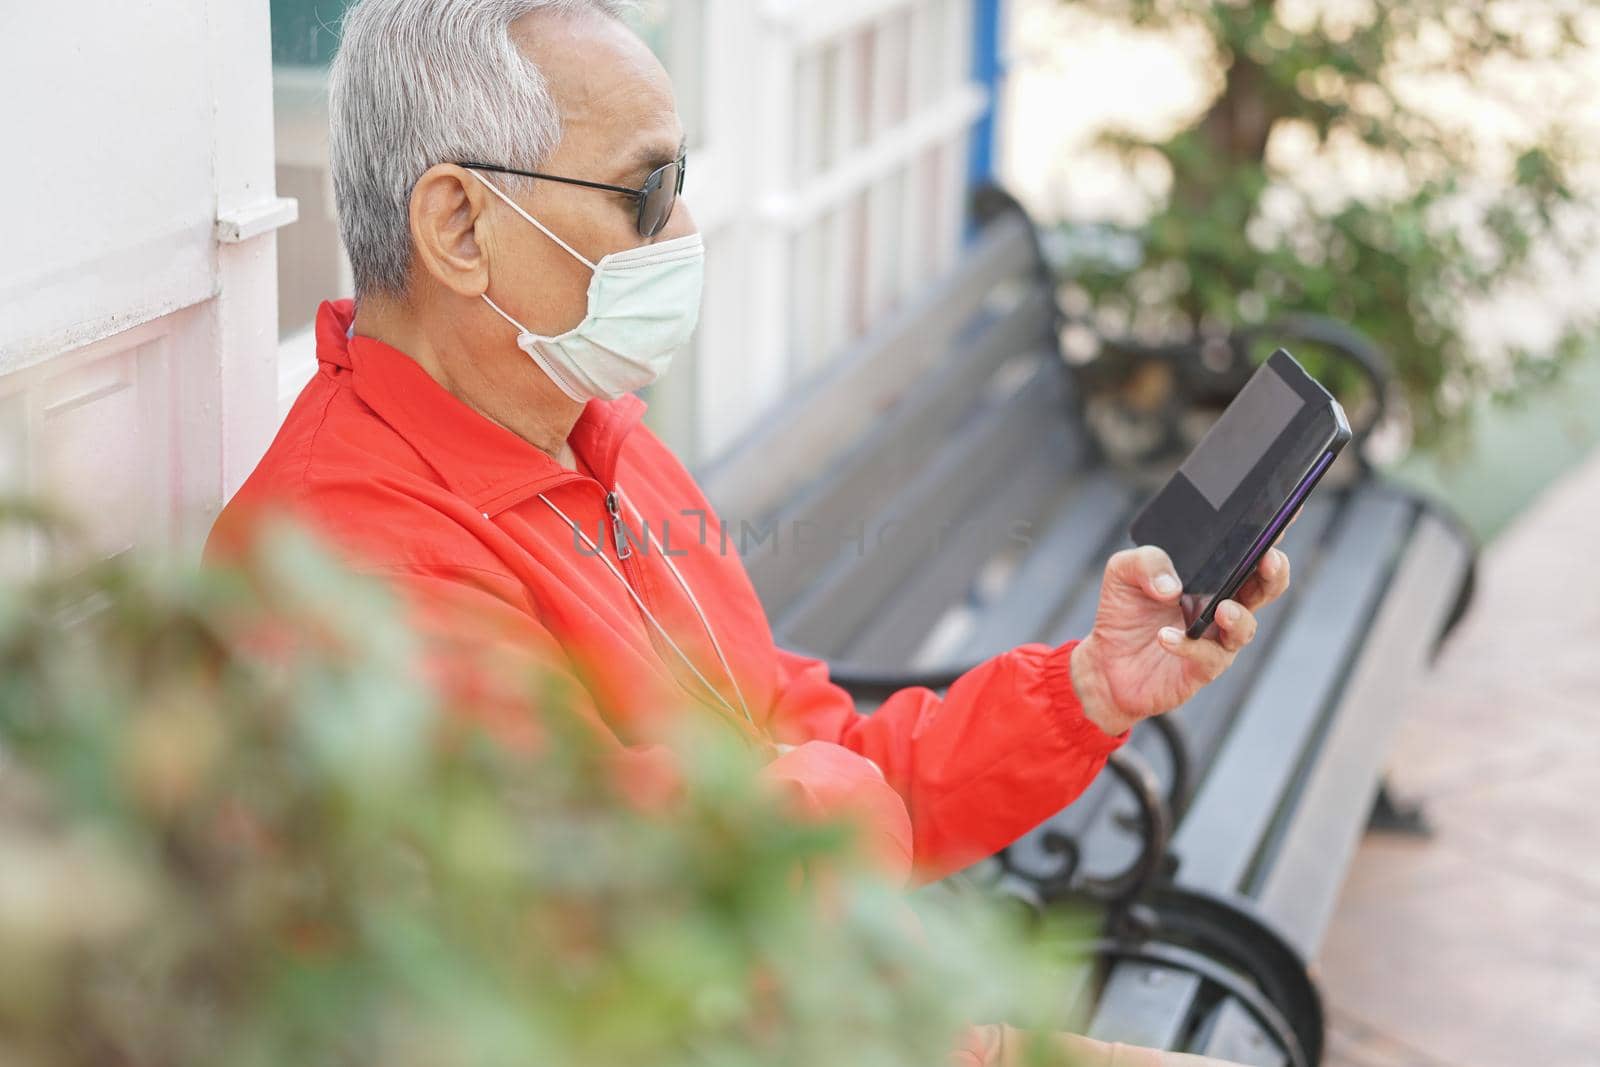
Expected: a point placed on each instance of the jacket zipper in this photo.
(619, 532)
(624, 553)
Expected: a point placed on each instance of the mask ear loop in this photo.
(542, 227)
(554, 373)
(521, 329)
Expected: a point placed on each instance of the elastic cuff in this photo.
(1075, 725)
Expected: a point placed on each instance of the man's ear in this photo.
(448, 227)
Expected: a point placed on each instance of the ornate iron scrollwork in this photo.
(1223, 941)
(1068, 880)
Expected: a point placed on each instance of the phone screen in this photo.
(1262, 410)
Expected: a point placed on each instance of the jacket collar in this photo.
(479, 460)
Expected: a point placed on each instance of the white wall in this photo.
(137, 289)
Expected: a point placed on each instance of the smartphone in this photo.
(1236, 492)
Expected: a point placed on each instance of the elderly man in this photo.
(507, 175)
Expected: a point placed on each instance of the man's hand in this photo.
(1137, 661)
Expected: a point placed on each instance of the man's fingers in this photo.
(1207, 655)
(1149, 568)
(1268, 583)
(1274, 574)
(1236, 627)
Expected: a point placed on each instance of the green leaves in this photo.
(238, 827)
(1400, 259)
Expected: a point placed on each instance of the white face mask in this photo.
(644, 304)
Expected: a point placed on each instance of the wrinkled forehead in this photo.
(614, 97)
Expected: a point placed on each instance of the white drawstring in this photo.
(715, 645)
(653, 621)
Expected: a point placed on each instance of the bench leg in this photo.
(1392, 815)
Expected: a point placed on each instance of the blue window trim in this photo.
(988, 70)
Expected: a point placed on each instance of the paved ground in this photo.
(1515, 450)
(1480, 947)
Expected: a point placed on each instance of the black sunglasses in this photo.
(656, 198)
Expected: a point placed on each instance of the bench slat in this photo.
(840, 601)
(1067, 555)
(1231, 812)
(898, 446)
(1143, 1004)
(1236, 1037)
(902, 623)
(769, 464)
(1302, 885)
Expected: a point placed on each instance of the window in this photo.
(311, 261)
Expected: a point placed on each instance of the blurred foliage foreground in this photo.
(223, 849)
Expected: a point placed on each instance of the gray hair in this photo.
(421, 82)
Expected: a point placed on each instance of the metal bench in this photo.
(936, 497)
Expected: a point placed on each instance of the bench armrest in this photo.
(1155, 832)
(1196, 380)
(1345, 343)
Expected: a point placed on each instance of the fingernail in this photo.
(1166, 585)
(1229, 611)
(1170, 635)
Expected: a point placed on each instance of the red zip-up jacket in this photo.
(474, 527)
